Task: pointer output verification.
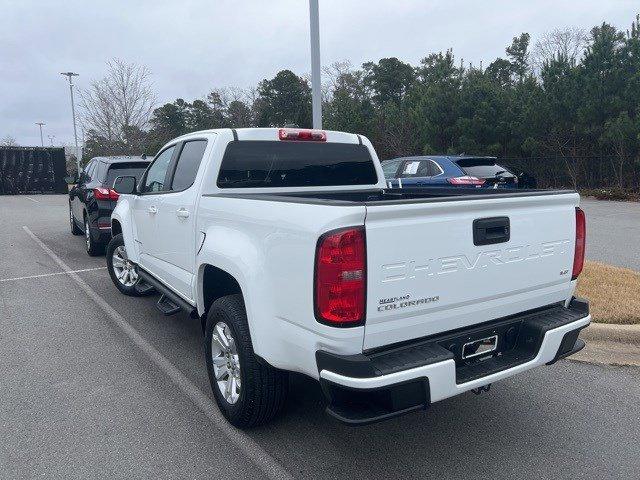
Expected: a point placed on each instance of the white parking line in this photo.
(32, 199)
(260, 458)
(50, 274)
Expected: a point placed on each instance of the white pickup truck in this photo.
(296, 258)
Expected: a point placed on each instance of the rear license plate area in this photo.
(482, 342)
(479, 348)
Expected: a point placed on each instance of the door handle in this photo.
(152, 209)
(182, 213)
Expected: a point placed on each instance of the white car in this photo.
(296, 258)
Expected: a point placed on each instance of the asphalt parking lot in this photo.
(613, 232)
(94, 384)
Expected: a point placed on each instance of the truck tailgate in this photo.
(427, 273)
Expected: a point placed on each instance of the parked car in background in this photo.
(92, 199)
(447, 171)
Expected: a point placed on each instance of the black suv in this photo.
(92, 199)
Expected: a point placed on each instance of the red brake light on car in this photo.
(581, 237)
(340, 277)
(302, 135)
(102, 193)
(466, 180)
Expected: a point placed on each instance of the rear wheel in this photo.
(248, 391)
(93, 248)
(123, 272)
(72, 221)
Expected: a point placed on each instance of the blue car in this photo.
(447, 171)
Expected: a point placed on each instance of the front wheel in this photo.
(123, 272)
(248, 391)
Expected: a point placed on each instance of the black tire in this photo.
(72, 222)
(263, 389)
(132, 291)
(93, 248)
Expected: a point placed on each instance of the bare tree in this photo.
(121, 101)
(333, 76)
(8, 141)
(568, 43)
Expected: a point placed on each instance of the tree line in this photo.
(566, 108)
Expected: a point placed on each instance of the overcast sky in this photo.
(194, 45)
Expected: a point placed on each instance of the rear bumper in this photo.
(375, 386)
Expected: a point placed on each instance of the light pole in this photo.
(316, 88)
(40, 124)
(51, 137)
(73, 112)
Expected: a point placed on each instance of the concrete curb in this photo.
(609, 353)
(610, 345)
(628, 334)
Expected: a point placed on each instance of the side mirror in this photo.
(125, 185)
(71, 179)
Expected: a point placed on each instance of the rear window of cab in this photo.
(255, 164)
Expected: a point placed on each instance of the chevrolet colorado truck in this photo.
(295, 257)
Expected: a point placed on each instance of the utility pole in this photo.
(316, 88)
(73, 112)
(40, 124)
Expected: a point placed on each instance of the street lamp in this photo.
(40, 124)
(73, 112)
(316, 88)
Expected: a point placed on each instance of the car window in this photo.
(101, 170)
(92, 170)
(431, 169)
(135, 169)
(390, 168)
(154, 181)
(420, 168)
(83, 173)
(88, 171)
(188, 164)
(480, 169)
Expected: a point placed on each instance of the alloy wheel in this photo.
(226, 362)
(126, 271)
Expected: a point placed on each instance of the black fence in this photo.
(25, 170)
(592, 172)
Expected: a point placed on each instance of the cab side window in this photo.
(154, 180)
(188, 164)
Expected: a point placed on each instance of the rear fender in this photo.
(236, 254)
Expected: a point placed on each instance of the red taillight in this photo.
(340, 283)
(466, 180)
(302, 135)
(101, 193)
(581, 236)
